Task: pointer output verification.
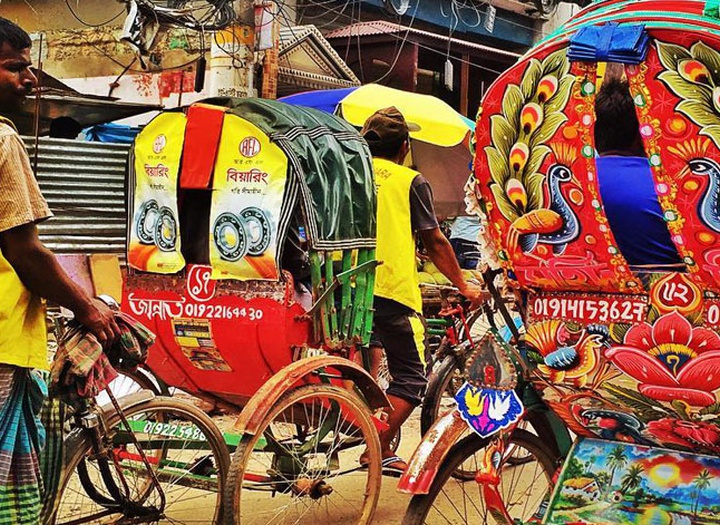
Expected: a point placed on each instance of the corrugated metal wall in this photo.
(84, 184)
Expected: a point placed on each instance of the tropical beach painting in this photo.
(606, 482)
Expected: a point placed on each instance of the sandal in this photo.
(394, 466)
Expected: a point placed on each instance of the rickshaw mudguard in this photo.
(431, 452)
(282, 382)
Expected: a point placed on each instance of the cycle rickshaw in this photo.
(627, 358)
(251, 238)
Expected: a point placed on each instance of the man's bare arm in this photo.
(42, 274)
(443, 256)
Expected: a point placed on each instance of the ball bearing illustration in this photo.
(259, 228)
(146, 220)
(165, 233)
(231, 236)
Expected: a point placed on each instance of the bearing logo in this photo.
(249, 147)
(160, 143)
(199, 284)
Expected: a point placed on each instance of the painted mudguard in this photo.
(296, 373)
(431, 452)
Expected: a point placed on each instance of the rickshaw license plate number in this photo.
(589, 309)
(156, 428)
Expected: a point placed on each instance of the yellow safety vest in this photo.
(23, 334)
(397, 276)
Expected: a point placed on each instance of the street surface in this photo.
(392, 504)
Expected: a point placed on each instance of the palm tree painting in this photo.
(701, 482)
(630, 482)
(617, 459)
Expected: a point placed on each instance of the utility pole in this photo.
(232, 55)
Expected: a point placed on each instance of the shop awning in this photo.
(59, 100)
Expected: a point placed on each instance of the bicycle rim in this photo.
(302, 467)
(187, 455)
(525, 487)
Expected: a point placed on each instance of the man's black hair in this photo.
(385, 150)
(14, 35)
(616, 127)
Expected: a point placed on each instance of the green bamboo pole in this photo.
(346, 300)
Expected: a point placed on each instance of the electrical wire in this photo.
(321, 4)
(402, 45)
(87, 24)
(405, 38)
(134, 70)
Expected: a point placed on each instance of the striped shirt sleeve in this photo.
(20, 199)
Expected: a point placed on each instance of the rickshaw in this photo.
(251, 255)
(626, 357)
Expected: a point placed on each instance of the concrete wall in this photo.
(92, 59)
(561, 15)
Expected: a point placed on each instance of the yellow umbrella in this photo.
(439, 123)
(440, 149)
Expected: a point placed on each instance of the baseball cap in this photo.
(387, 125)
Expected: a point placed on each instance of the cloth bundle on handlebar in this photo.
(81, 369)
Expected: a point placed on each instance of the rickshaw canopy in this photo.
(235, 176)
(329, 162)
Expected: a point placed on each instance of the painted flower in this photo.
(563, 362)
(671, 359)
(687, 434)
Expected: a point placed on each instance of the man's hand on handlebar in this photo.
(97, 317)
(474, 293)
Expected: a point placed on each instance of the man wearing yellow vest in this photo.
(405, 207)
(28, 271)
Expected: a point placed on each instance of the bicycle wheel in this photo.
(303, 464)
(186, 452)
(127, 383)
(524, 487)
(440, 395)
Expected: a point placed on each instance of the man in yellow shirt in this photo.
(405, 208)
(28, 271)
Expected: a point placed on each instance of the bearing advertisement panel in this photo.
(248, 183)
(155, 230)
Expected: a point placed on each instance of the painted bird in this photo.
(557, 225)
(709, 206)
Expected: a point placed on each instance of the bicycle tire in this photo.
(438, 384)
(187, 501)
(470, 449)
(130, 382)
(296, 486)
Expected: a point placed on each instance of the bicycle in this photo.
(462, 330)
(142, 458)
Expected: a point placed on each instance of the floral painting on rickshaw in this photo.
(677, 97)
(610, 482)
(648, 377)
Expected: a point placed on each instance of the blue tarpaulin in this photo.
(117, 133)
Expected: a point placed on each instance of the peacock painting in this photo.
(694, 76)
(532, 112)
